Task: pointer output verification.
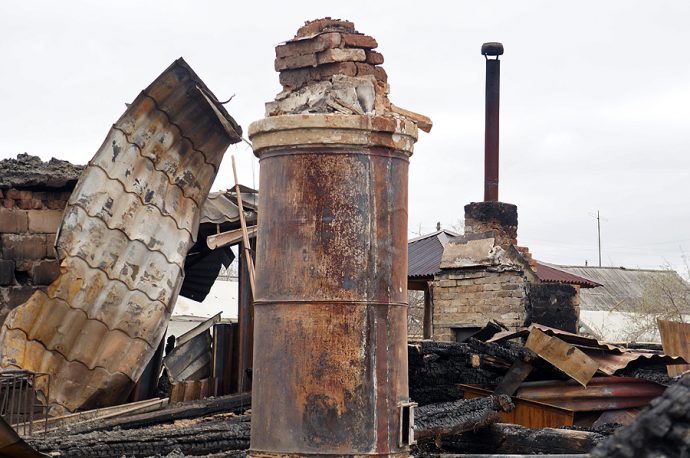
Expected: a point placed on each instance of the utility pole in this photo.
(599, 235)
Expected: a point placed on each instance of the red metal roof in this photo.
(550, 274)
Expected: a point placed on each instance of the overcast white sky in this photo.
(595, 100)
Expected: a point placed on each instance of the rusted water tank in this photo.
(330, 349)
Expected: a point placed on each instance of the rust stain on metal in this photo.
(330, 356)
(602, 393)
(675, 339)
(122, 244)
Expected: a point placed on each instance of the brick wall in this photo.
(556, 305)
(466, 297)
(28, 224)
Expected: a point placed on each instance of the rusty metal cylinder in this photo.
(330, 348)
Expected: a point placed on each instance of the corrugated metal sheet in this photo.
(602, 393)
(609, 357)
(122, 245)
(675, 337)
(621, 288)
(424, 253)
(221, 207)
(550, 274)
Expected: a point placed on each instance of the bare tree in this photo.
(666, 296)
(415, 314)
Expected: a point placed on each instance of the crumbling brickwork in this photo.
(556, 305)
(33, 195)
(474, 297)
(499, 217)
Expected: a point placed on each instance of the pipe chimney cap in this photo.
(493, 48)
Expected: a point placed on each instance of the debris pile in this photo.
(30, 171)
(552, 378)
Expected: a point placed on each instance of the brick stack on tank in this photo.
(329, 67)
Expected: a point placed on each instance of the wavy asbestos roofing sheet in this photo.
(122, 244)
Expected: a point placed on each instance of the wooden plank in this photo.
(517, 374)
(229, 238)
(675, 339)
(501, 438)
(192, 333)
(530, 414)
(236, 403)
(574, 362)
(148, 405)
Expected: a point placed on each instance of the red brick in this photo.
(324, 25)
(366, 69)
(13, 221)
(340, 68)
(374, 58)
(293, 62)
(341, 55)
(24, 204)
(1, 194)
(55, 204)
(18, 195)
(23, 246)
(44, 272)
(8, 203)
(355, 40)
(44, 221)
(310, 46)
(36, 204)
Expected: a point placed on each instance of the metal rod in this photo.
(599, 235)
(491, 119)
(243, 224)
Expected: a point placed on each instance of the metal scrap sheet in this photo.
(122, 244)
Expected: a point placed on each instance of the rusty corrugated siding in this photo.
(550, 274)
(122, 244)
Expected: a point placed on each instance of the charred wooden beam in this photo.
(435, 368)
(227, 404)
(202, 438)
(448, 418)
(503, 438)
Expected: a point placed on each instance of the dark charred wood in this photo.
(661, 430)
(202, 438)
(507, 353)
(502, 438)
(435, 368)
(656, 374)
(236, 403)
(448, 418)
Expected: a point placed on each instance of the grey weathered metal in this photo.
(122, 245)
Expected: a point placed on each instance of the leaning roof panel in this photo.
(127, 229)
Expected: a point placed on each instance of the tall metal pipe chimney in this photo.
(493, 83)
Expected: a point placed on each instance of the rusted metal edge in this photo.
(13, 446)
(346, 131)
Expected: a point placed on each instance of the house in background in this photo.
(627, 305)
(483, 275)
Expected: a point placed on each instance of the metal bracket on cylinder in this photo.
(406, 436)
